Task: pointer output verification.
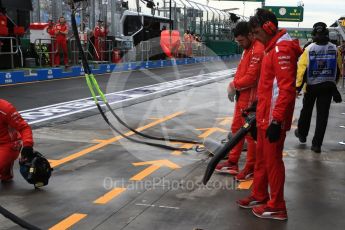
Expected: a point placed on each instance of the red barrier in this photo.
(170, 43)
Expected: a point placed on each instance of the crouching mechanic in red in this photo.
(276, 101)
(15, 134)
(245, 84)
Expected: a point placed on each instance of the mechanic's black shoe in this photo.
(301, 139)
(7, 181)
(316, 148)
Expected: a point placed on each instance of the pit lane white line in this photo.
(63, 109)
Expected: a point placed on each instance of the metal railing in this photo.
(12, 52)
(105, 47)
(40, 44)
(192, 49)
(145, 48)
(199, 48)
(75, 51)
(129, 54)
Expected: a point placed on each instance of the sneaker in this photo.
(245, 174)
(316, 148)
(263, 211)
(301, 139)
(250, 202)
(227, 167)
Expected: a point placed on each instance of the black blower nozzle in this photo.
(221, 152)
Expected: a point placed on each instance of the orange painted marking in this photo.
(209, 131)
(109, 196)
(68, 222)
(187, 146)
(145, 172)
(245, 184)
(104, 143)
(155, 165)
(225, 120)
(52, 162)
(99, 141)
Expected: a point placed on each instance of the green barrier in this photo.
(222, 48)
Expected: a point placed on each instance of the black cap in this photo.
(320, 33)
(320, 28)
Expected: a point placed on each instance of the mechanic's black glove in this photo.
(27, 152)
(231, 97)
(337, 96)
(273, 131)
(237, 95)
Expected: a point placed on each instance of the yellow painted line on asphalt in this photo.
(245, 184)
(98, 140)
(52, 162)
(187, 146)
(68, 222)
(109, 196)
(225, 120)
(145, 172)
(154, 165)
(104, 143)
(209, 131)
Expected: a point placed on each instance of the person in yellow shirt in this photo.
(319, 67)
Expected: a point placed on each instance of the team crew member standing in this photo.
(100, 33)
(245, 83)
(52, 45)
(14, 133)
(188, 44)
(321, 62)
(276, 101)
(61, 31)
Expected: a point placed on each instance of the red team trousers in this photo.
(269, 171)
